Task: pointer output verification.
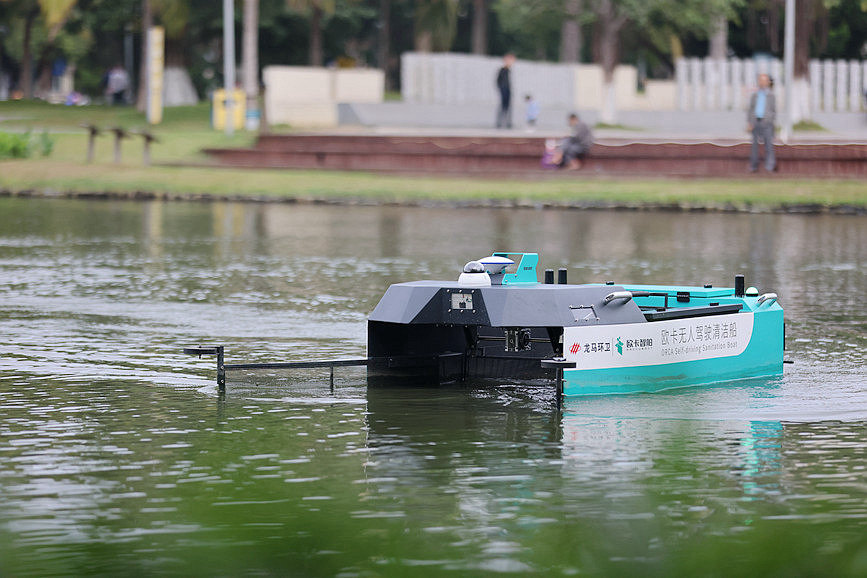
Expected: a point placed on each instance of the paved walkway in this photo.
(404, 118)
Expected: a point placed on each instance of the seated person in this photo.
(574, 148)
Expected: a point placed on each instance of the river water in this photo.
(118, 456)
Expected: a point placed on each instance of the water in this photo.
(117, 456)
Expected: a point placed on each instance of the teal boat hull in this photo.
(761, 356)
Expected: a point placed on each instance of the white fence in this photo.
(708, 84)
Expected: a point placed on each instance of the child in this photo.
(532, 112)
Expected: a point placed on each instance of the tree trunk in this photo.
(251, 57)
(27, 57)
(570, 33)
(480, 26)
(147, 20)
(382, 48)
(43, 78)
(804, 22)
(316, 57)
(423, 41)
(719, 39)
(609, 24)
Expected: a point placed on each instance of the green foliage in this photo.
(609, 126)
(93, 31)
(46, 144)
(23, 145)
(809, 125)
(534, 26)
(438, 18)
(173, 15)
(14, 146)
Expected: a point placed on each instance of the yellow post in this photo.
(219, 108)
(155, 64)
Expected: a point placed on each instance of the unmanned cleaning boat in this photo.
(498, 321)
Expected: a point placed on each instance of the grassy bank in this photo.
(186, 131)
(744, 194)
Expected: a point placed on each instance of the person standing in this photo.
(760, 118)
(532, 112)
(504, 86)
(116, 85)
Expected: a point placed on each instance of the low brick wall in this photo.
(522, 155)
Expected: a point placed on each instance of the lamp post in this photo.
(789, 68)
(229, 63)
(3, 88)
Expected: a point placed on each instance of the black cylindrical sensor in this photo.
(561, 276)
(549, 276)
(739, 285)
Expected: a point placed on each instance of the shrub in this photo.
(14, 146)
(21, 146)
(46, 144)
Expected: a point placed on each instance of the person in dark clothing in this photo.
(504, 86)
(574, 148)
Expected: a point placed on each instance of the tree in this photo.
(384, 36)
(807, 14)
(480, 27)
(661, 19)
(610, 19)
(27, 54)
(435, 24)
(534, 25)
(52, 15)
(174, 17)
(719, 38)
(570, 33)
(317, 10)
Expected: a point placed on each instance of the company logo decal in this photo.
(660, 342)
(595, 347)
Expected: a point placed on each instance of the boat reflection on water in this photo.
(586, 452)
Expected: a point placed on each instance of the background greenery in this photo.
(91, 33)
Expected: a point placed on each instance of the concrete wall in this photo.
(307, 96)
(464, 79)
